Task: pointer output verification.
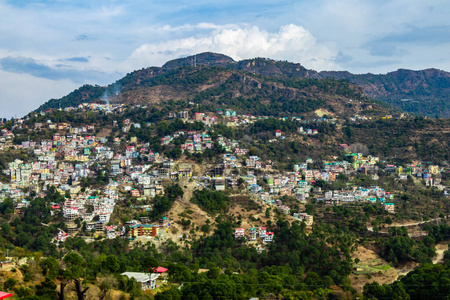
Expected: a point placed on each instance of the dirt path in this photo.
(407, 224)
(440, 249)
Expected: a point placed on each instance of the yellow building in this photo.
(143, 230)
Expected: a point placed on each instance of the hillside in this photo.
(324, 204)
(258, 86)
(423, 92)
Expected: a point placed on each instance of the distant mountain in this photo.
(424, 92)
(218, 78)
(231, 86)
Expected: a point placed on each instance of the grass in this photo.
(372, 267)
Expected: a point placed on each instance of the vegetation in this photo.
(426, 282)
(162, 204)
(211, 201)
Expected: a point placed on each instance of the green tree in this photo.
(50, 267)
(46, 289)
(75, 270)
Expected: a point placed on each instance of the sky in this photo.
(48, 48)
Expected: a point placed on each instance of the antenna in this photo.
(195, 61)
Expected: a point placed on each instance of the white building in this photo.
(147, 281)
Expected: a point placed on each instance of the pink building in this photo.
(239, 232)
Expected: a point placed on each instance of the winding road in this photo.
(408, 225)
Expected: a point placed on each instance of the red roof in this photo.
(161, 270)
(4, 295)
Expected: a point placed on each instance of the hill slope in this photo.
(261, 80)
(422, 92)
(258, 86)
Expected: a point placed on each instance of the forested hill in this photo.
(219, 79)
(424, 92)
(258, 87)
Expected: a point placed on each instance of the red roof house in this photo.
(4, 295)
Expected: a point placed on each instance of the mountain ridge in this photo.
(422, 92)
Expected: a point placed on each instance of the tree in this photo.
(50, 267)
(112, 264)
(47, 289)
(75, 270)
(173, 293)
(9, 284)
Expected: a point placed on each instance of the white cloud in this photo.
(122, 36)
(291, 42)
(22, 93)
(190, 27)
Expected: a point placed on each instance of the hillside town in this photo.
(136, 171)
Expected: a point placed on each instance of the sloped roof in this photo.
(4, 295)
(141, 277)
(161, 270)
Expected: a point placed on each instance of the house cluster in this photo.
(5, 136)
(371, 194)
(301, 182)
(304, 217)
(308, 131)
(429, 173)
(197, 142)
(206, 118)
(254, 233)
(75, 153)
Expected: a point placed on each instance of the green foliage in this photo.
(46, 289)
(413, 138)
(84, 94)
(50, 267)
(27, 232)
(438, 233)
(9, 284)
(400, 248)
(420, 92)
(211, 201)
(168, 128)
(75, 266)
(129, 285)
(173, 293)
(163, 204)
(425, 282)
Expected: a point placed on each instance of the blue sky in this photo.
(49, 48)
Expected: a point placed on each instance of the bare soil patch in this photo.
(371, 268)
